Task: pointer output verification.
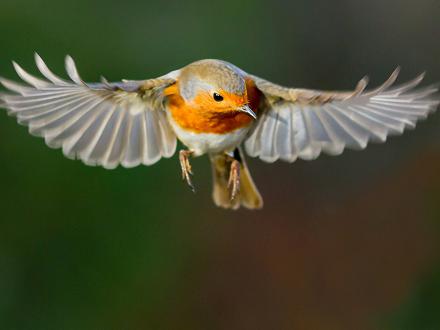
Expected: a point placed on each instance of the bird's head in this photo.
(215, 88)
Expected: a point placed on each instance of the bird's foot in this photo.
(186, 167)
(234, 179)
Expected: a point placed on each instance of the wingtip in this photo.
(19, 70)
(16, 66)
(395, 73)
(69, 59)
(362, 85)
(420, 77)
(37, 58)
(72, 70)
(366, 78)
(387, 84)
(69, 62)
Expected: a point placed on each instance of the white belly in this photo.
(202, 143)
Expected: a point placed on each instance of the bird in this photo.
(213, 108)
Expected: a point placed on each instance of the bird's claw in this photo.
(186, 167)
(234, 179)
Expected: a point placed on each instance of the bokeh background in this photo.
(348, 242)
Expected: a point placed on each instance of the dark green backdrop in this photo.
(349, 242)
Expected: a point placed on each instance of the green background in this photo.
(349, 242)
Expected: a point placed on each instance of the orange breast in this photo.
(205, 120)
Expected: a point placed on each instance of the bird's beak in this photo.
(247, 110)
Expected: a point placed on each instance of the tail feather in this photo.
(248, 196)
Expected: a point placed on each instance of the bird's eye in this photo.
(217, 97)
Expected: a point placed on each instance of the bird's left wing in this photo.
(300, 123)
(103, 123)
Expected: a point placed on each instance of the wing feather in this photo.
(134, 144)
(104, 124)
(153, 138)
(98, 153)
(319, 121)
(30, 79)
(282, 143)
(167, 138)
(301, 134)
(48, 73)
(87, 136)
(268, 130)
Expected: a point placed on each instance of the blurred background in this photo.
(348, 242)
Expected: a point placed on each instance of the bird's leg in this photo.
(186, 167)
(234, 177)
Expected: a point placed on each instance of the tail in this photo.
(248, 196)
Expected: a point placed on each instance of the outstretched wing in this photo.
(103, 124)
(300, 123)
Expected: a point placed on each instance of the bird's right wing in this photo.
(103, 123)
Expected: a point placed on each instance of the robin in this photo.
(213, 108)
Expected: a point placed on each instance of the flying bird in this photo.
(212, 107)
